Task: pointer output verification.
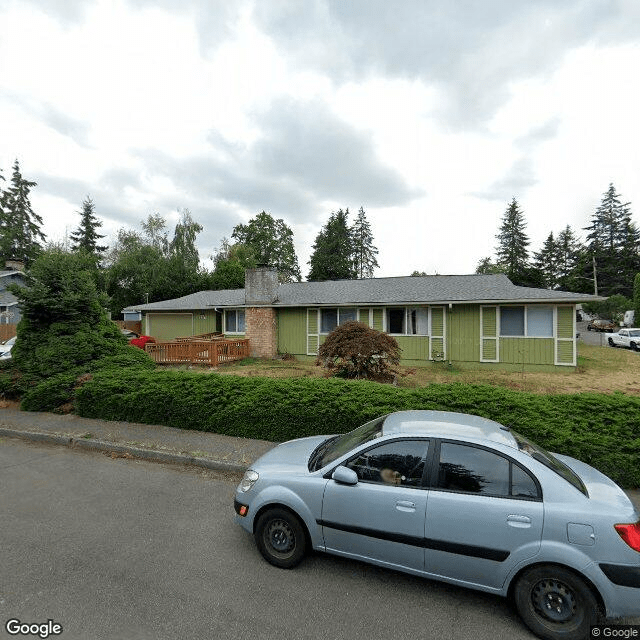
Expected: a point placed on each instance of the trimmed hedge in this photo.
(602, 430)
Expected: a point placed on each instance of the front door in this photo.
(381, 518)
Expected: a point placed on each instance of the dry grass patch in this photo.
(600, 369)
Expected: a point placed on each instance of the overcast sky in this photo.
(432, 115)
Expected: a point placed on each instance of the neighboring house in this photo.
(469, 320)
(9, 311)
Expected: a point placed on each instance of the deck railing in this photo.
(196, 351)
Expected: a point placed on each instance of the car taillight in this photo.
(630, 533)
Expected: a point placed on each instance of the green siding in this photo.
(489, 322)
(463, 327)
(437, 321)
(206, 322)
(363, 315)
(526, 350)
(414, 347)
(292, 331)
(565, 322)
(565, 351)
(489, 349)
(378, 319)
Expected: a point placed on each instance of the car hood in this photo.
(289, 456)
(600, 487)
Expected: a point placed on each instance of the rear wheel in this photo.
(280, 538)
(555, 603)
(635, 346)
(611, 342)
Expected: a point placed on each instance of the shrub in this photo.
(602, 430)
(355, 350)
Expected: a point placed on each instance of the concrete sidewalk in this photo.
(149, 442)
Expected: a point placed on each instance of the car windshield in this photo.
(550, 461)
(335, 447)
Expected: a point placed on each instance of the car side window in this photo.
(399, 463)
(522, 483)
(472, 470)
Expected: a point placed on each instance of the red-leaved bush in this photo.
(354, 350)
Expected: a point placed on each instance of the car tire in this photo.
(280, 538)
(611, 342)
(589, 327)
(635, 346)
(555, 603)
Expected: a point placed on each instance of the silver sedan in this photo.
(457, 498)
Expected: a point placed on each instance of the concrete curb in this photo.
(134, 452)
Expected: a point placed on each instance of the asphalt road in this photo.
(129, 549)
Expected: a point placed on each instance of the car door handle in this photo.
(405, 505)
(519, 521)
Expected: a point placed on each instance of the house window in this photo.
(530, 321)
(540, 322)
(512, 321)
(332, 318)
(408, 321)
(234, 321)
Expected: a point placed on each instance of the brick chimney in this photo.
(260, 285)
(260, 292)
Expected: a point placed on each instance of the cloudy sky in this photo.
(431, 115)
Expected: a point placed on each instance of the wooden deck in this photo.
(195, 350)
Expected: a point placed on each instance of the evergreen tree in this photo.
(332, 257)
(271, 241)
(364, 252)
(612, 242)
(86, 236)
(546, 261)
(487, 266)
(569, 257)
(512, 252)
(20, 226)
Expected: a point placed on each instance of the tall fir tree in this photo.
(512, 252)
(364, 251)
(332, 257)
(271, 241)
(86, 236)
(569, 255)
(546, 261)
(20, 225)
(612, 242)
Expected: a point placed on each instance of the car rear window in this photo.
(550, 461)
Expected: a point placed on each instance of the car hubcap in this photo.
(554, 600)
(280, 536)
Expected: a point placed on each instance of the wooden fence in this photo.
(206, 352)
(7, 331)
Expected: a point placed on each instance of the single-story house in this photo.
(470, 320)
(9, 309)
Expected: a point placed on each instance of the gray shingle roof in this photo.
(379, 291)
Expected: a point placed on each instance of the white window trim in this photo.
(526, 321)
(496, 337)
(572, 339)
(235, 333)
(385, 327)
(313, 335)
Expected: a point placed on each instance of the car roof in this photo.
(447, 423)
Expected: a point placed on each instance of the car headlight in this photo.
(248, 480)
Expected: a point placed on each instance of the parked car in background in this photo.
(457, 498)
(601, 325)
(5, 349)
(629, 338)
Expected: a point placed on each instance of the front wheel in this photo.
(635, 346)
(555, 603)
(280, 538)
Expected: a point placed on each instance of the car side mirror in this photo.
(344, 475)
